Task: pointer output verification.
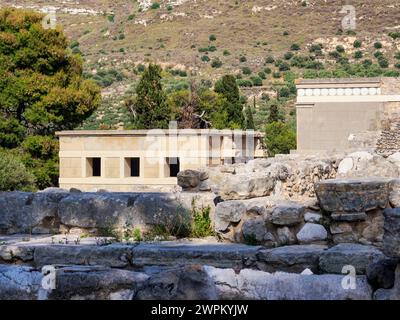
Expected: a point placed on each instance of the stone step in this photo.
(140, 256)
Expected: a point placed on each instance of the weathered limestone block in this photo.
(312, 232)
(95, 283)
(191, 179)
(291, 258)
(121, 210)
(228, 212)
(359, 195)
(255, 228)
(285, 236)
(364, 164)
(391, 236)
(240, 187)
(19, 282)
(22, 212)
(115, 255)
(189, 282)
(259, 285)
(172, 254)
(359, 256)
(287, 214)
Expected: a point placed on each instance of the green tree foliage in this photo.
(41, 90)
(229, 89)
(150, 109)
(13, 173)
(273, 113)
(279, 138)
(249, 119)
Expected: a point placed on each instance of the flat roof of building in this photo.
(339, 80)
(156, 132)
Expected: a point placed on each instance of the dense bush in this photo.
(13, 174)
(279, 138)
(358, 55)
(394, 35)
(357, 44)
(246, 70)
(383, 63)
(257, 81)
(216, 63)
(262, 75)
(378, 45)
(269, 60)
(107, 77)
(288, 55)
(340, 48)
(244, 83)
(316, 47)
(295, 47)
(284, 66)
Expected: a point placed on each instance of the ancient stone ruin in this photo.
(291, 227)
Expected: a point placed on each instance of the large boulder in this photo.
(348, 254)
(25, 212)
(19, 282)
(255, 229)
(294, 258)
(359, 195)
(121, 210)
(189, 282)
(391, 235)
(245, 186)
(191, 179)
(259, 285)
(228, 212)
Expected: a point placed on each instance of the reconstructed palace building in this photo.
(127, 160)
(345, 114)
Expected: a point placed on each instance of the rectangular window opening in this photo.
(134, 167)
(174, 166)
(94, 167)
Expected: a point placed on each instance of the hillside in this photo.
(207, 38)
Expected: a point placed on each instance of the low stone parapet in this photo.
(95, 213)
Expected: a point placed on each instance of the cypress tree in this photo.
(150, 108)
(249, 119)
(273, 113)
(229, 89)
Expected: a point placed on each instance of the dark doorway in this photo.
(174, 166)
(94, 167)
(135, 167)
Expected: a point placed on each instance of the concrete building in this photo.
(346, 114)
(139, 159)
